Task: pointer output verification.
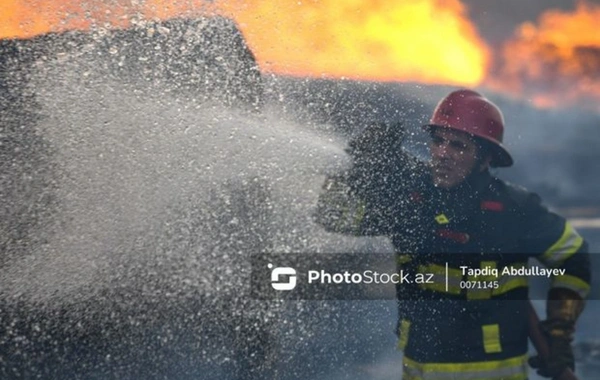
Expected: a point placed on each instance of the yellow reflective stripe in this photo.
(351, 218)
(489, 264)
(338, 208)
(359, 213)
(438, 283)
(569, 242)
(485, 292)
(406, 375)
(479, 294)
(491, 338)
(571, 282)
(403, 259)
(438, 270)
(507, 283)
(508, 369)
(442, 219)
(403, 334)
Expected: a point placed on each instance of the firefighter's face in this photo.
(454, 156)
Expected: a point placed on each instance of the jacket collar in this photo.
(470, 190)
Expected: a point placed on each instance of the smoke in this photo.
(497, 21)
(553, 61)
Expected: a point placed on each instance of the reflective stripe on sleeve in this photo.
(509, 369)
(507, 283)
(402, 259)
(491, 339)
(482, 287)
(338, 209)
(438, 283)
(403, 334)
(571, 282)
(351, 217)
(569, 242)
(482, 292)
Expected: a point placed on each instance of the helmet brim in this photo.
(500, 156)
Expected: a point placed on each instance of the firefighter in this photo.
(452, 210)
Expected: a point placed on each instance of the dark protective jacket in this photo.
(458, 326)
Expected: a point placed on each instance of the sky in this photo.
(497, 20)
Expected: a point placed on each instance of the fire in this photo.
(423, 40)
(556, 62)
(25, 18)
(428, 41)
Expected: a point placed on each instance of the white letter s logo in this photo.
(283, 271)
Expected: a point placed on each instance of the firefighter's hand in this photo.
(378, 143)
(560, 335)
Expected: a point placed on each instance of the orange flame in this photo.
(422, 40)
(25, 18)
(556, 62)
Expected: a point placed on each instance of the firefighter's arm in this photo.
(560, 246)
(339, 208)
(566, 300)
(355, 202)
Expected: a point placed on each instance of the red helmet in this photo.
(468, 111)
